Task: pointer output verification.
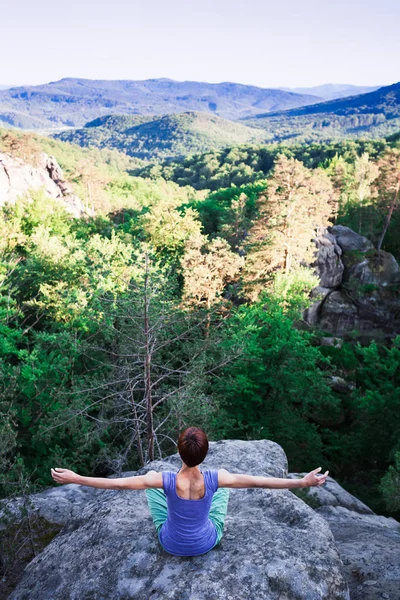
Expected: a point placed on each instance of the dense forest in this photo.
(158, 138)
(181, 302)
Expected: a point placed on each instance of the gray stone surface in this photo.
(328, 264)
(18, 178)
(348, 239)
(274, 545)
(379, 269)
(368, 544)
(358, 295)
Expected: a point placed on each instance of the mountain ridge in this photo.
(74, 101)
(375, 114)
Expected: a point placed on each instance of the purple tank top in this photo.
(188, 531)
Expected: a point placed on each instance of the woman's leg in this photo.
(219, 506)
(157, 502)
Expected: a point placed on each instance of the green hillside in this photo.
(162, 138)
(375, 114)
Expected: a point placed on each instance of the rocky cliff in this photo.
(358, 295)
(274, 545)
(18, 179)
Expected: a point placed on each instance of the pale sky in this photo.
(270, 44)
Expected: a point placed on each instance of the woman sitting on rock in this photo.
(188, 508)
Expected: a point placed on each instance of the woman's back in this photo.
(190, 488)
(188, 530)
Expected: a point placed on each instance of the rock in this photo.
(348, 239)
(379, 269)
(274, 545)
(368, 544)
(56, 505)
(18, 178)
(340, 385)
(332, 494)
(338, 314)
(328, 264)
(312, 313)
(332, 342)
(358, 296)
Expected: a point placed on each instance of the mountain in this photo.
(332, 91)
(376, 114)
(162, 137)
(73, 102)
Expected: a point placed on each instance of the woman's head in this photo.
(193, 446)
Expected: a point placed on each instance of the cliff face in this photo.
(274, 545)
(18, 179)
(358, 295)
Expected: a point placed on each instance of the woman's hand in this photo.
(313, 479)
(64, 476)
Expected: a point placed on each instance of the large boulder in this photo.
(274, 545)
(358, 292)
(19, 178)
(369, 545)
(348, 239)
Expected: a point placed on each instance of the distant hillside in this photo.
(162, 137)
(372, 115)
(73, 102)
(331, 91)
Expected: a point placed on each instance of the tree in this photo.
(153, 362)
(207, 268)
(390, 485)
(387, 187)
(277, 388)
(296, 205)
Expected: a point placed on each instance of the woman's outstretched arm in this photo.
(232, 480)
(138, 482)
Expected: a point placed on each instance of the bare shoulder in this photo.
(153, 479)
(225, 479)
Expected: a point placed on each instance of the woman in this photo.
(188, 508)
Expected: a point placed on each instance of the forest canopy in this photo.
(181, 302)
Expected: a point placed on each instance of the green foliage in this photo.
(390, 485)
(246, 164)
(277, 389)
(72, 302)
(161, 137)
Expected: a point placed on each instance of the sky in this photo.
(285, 43)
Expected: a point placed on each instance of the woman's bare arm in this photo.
(232, 480)
(137, 482)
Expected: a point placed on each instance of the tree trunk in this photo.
(389, 216)
(147, 368)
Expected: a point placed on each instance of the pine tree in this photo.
(387, 187)
(297, 204)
